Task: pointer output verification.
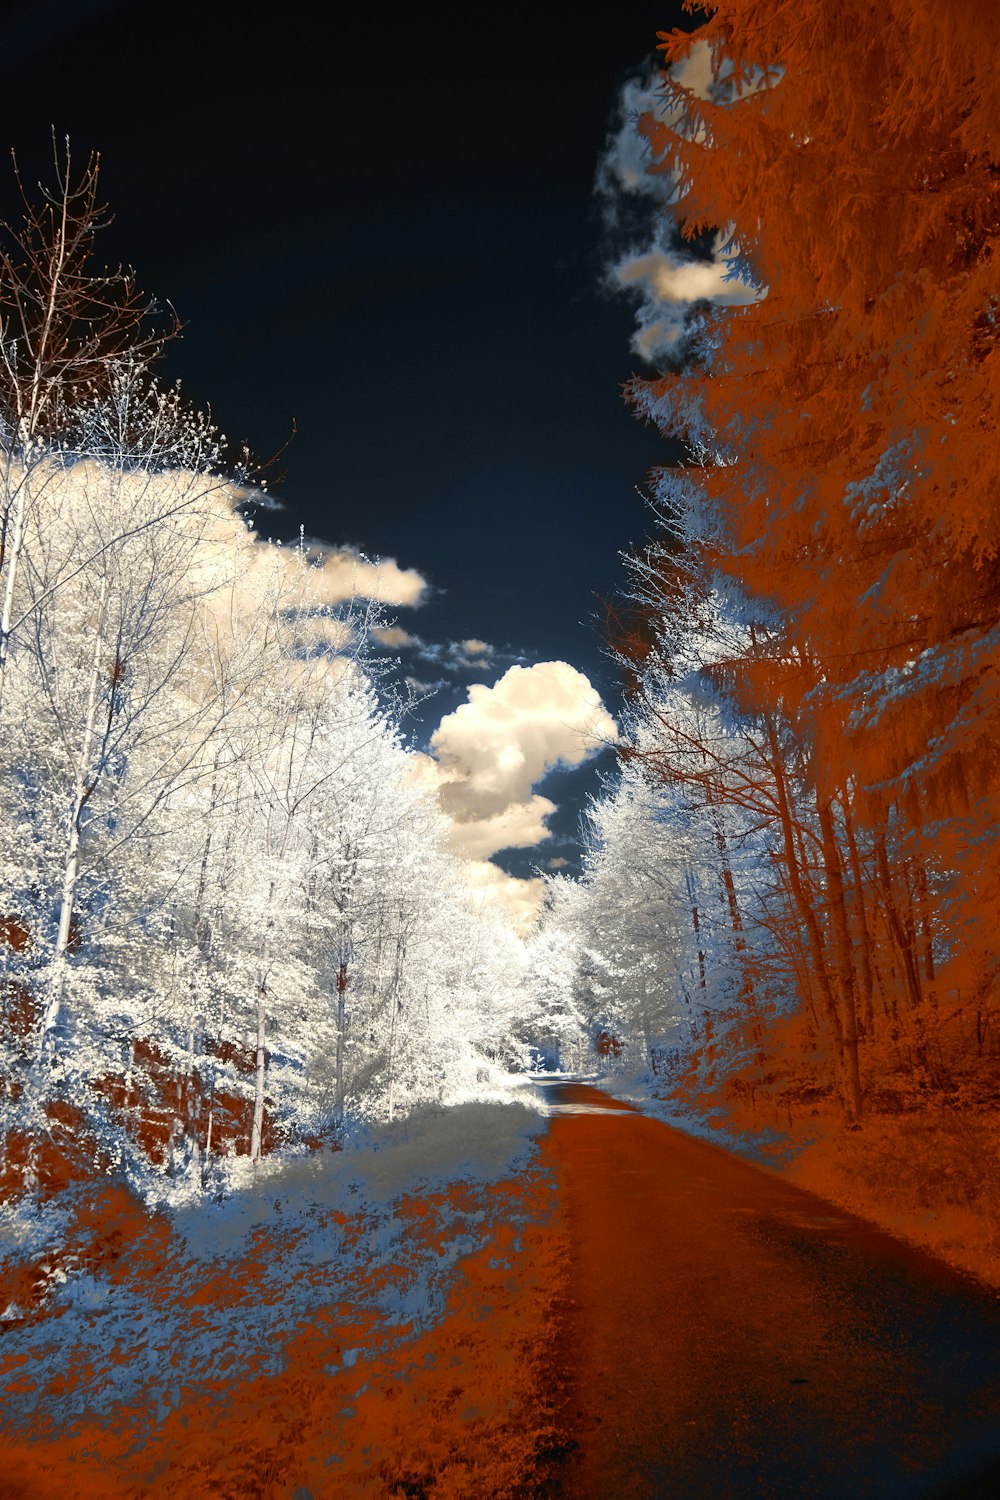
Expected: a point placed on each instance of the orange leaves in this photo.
(869, 205)
(842, 499)
(359, 1404)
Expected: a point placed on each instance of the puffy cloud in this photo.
(666, 279)
(487, 755)
(695, 72)
(556, 864)
(347, 574)
(626, 160)
(333, 575)
(394, 636)
(520, 826)
(422, 689)
(668, 284)
(625, 164)
(472, 654)
(520, 899)
(494, 748)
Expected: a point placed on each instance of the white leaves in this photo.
(248, 824)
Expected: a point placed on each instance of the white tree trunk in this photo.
(82, 788)
(13, 553)
(257, 1130)
(393, 1013)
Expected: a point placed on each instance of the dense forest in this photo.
(230, 917)
(791, 890)
(324, 1172)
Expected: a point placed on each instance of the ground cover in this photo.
(367, 1323)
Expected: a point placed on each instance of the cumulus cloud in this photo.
(423, 689)
(520, 899)
(348, 574)
(494, 748)
(556, 864)
(520, 826)
(334, 575)
(393, 636)
(626, 163)
(624, 167)
(666, 278)
(668, 285)
(470, 655)
(486, 757)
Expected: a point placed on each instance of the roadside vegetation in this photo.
(787, 918)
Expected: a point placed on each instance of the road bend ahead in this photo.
(729, 1335)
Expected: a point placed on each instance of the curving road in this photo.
(728, 1336)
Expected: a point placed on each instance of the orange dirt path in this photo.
(727, 1334)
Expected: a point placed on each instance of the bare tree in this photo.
(65, 327)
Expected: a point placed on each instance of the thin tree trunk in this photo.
(396, 980)
(844, 962)
(257, 1131)
(341, 1035)
(343, 898)
(802, 901)
(12, 553)
(697, 928)
(926, 928)
(861, 919)
(903, 945)
(748, 993)
(82, 790)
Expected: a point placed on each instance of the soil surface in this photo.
(727, 1334)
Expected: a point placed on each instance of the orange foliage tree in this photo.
(846, 425)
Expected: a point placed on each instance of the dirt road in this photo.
(728, 1335)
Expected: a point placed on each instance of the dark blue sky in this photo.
(385, 231)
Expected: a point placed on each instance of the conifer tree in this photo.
(845, 472)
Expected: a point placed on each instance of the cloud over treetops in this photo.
(668, 279)
(487, 756)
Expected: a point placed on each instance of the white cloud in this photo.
(394, 636)
(668, 284)
(335, 575)
(695, 72)
(424, 689)
(471, 655)
(624, 166)
(520, 826)
(520, 899)
(626, 162)
(556, 864)
(348, 574)
(487, 755)
(494, 748)
(667, 281)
